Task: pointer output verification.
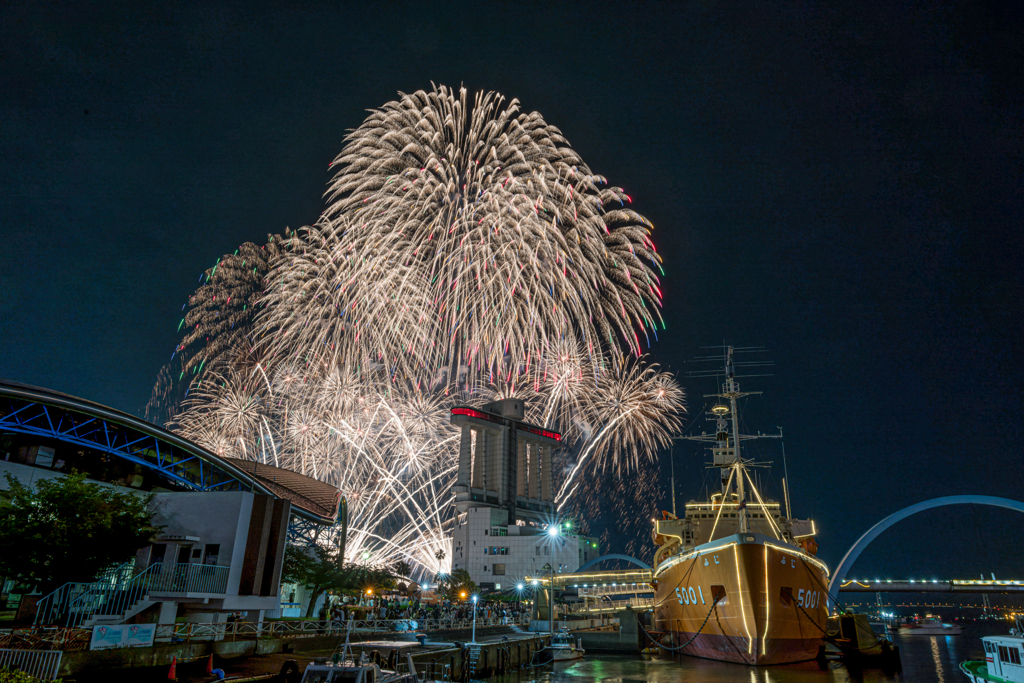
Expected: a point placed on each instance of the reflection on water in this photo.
(926, 659)
(936, 659)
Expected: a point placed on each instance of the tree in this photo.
(316, 568)
(66, 529)
(453, 585)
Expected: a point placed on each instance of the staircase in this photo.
(121, 593)
(117, 595)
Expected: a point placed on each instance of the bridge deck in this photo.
(931, 586)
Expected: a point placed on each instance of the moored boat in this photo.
(736, 577)
(929, 626)
(563, 648)
(1004, 660)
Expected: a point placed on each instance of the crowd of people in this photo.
(404, 608)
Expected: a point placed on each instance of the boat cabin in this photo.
(372, 662)
(1005, 657)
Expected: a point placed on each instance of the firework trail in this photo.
(467, 254)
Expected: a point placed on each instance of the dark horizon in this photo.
(842, 186)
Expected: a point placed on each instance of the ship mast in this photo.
(726, 441)
(731, 390)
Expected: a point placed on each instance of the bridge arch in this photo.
(871, 534)
(604, 558)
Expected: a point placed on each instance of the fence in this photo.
(610, 605)
(75, 639)
(43, 664)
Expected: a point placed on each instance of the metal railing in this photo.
(73, 639)
(307, 628)
(43, 664)
(188, 578)
(610, 605)
(118, 591)
(72, 603)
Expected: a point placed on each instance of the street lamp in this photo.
(553, 533)
(473, 639)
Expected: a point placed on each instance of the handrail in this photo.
(189, 578)
(119, 590)
(77, 638)
(59, 602)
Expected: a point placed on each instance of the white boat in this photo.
(1004, 656)
(377, 662)
(563, 648)
(929, 626)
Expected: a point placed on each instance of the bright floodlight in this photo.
(553, 530)
(366, 554)
(519, 586)
(474, 599)
(536, 582)
(425, 587)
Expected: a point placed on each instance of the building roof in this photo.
(23, 409)
(306, 492)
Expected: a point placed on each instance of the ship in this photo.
(736, 577)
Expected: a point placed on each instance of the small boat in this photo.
(1003, 658)
(370, 662)
(929, 626)
(563, 648)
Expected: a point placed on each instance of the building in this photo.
(504, 500)
(225, 521)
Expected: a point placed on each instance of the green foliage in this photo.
(453, 585)
(66, 529)
(316, 568)
(16, 676)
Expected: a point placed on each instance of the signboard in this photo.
(122, 635)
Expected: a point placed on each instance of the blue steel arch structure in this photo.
(178, 463)
(871, 534)
(605, 558)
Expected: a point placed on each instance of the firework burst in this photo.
(467, 254)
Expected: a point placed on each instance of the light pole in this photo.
(473, 639)
(553, 532)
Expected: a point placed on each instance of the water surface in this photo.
(926, 659)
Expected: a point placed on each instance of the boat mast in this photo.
(725, 447)
(731, 390)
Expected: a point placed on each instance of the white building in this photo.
(504, 500)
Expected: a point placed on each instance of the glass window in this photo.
(499, 570)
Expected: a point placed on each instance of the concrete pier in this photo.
(502, 649)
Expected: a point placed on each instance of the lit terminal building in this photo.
(225, 520)
(504, 499)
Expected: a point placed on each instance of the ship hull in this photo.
(770, 608)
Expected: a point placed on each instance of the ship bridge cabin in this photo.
(718, 518)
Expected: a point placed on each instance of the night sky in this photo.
(840, 186)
